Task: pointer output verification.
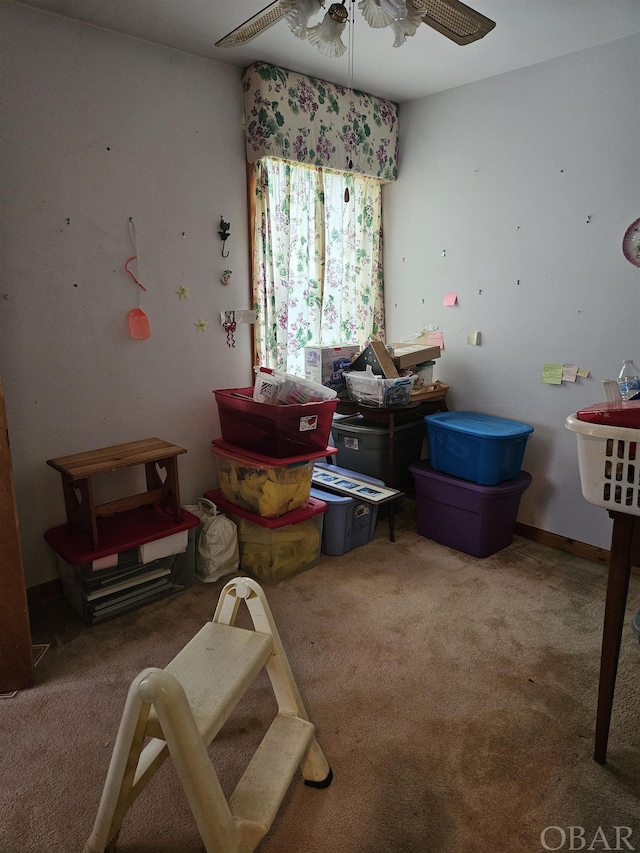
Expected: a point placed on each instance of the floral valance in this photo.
(293, 117)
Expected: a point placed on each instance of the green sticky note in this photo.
(551, 374)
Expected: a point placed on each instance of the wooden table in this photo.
(625, 552)
(78, 470)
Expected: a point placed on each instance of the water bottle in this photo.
(629, 380)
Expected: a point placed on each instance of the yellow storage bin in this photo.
(272, 550)
(262, 485)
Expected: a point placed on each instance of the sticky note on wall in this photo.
(435, 339)
(552, 374)
(450, 298)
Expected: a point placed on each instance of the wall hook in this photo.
(224, 235)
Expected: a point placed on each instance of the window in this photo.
(317, 261)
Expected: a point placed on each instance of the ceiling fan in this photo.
(452, 18)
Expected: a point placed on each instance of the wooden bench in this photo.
(78, 470)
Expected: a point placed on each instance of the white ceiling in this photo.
(526, 32)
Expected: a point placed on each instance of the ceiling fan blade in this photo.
(251, 28)
(454, 20)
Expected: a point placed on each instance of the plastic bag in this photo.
(217, 551)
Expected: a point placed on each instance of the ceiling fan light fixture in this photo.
(326, 36)
(297, 14)
(403, 30)
(396, 9)
(451, 18)
(373, 14)
(338, 13)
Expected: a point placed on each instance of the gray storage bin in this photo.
(363, 446)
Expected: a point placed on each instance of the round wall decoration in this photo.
(631, 243)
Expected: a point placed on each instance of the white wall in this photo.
(502, 175)
(99, 127)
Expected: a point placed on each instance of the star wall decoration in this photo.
(183, 292)
(201, 325)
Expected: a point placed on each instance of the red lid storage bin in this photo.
(278, 431)
(274, 549)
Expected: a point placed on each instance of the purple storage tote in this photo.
(478, 520)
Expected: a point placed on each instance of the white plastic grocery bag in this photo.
(217, 544)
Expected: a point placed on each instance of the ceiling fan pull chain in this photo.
(351, 52)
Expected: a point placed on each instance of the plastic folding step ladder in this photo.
(179, 710)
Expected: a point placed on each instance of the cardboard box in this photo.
(326, 364)
(408, 355)
(376, 356)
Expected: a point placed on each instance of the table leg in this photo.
(170, 486)
(80, 507)
(392, 504)
(617, 589)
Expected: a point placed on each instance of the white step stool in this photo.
(180, 710)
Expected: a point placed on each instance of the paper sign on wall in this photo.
(556, 374)
(552, 374)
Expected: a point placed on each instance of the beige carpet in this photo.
(454, 697)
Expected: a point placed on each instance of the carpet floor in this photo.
(454, 697)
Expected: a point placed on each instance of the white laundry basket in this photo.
(609, 462)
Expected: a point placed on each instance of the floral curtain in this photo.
(298, 118)
(317, 261)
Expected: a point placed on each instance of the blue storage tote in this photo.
(348, 522)
(479, 448)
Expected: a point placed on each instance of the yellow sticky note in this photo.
(473, 339)
(552, 374)
(583, 372)
(450, 298)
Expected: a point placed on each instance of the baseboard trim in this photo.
(44, 592)
(52, 589)
(564, 543)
